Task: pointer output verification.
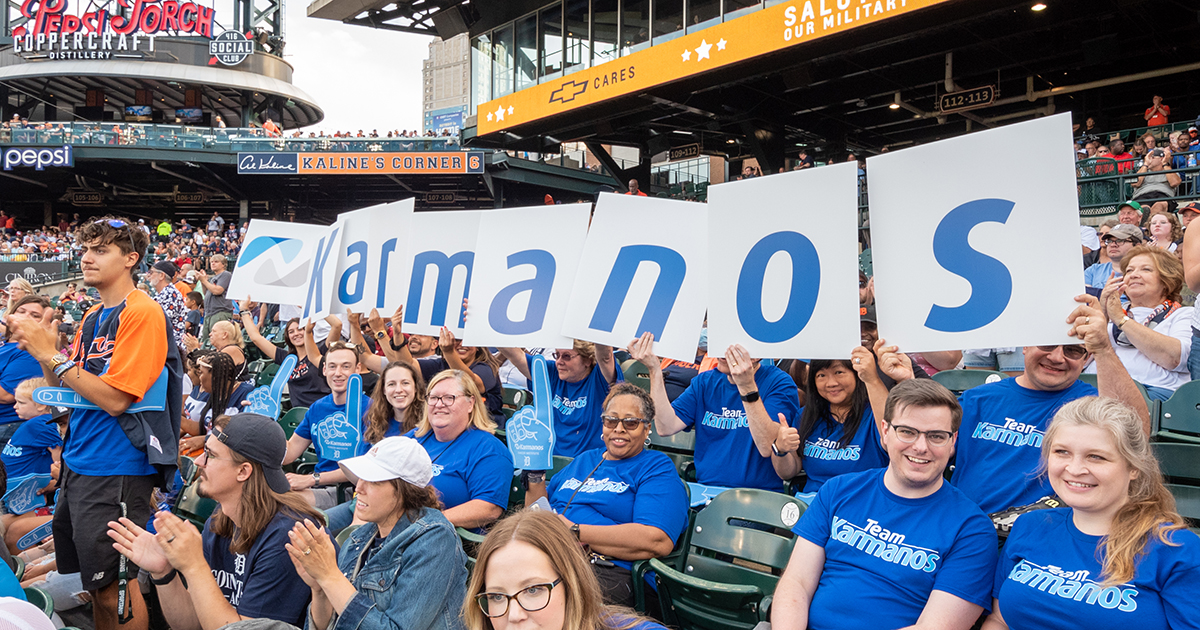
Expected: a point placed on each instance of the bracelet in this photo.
(168, 578)
(62, 369)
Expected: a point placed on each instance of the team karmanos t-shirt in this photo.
(725, 452)
(1000, 442)
(334, 437)
(475, 465)
(643, 489)
(577, 409)
(1048, 578)
(885, 554)
(823, 460)
(262, 583)
(26, 452)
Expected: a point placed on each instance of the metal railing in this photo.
(135, 135)
(1103, 187)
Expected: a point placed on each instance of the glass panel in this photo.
(635, 25)
(737, 8)
(502, 61)
(552, 41)
(668, 20)
(702, 14)
(481, 71)
(604, 31)
(527, 52)
(577, 53)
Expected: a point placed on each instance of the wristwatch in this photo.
(776, 451)
(1123, 320)
(57, 360)
(380, 334)
(316, 478)
(751, 397)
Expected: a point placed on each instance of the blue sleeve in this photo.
(1180, 586)
(781, 397)
(689, 405)
(967, 569)
(489, 476)
(22, 367)
(304, 430)
(814, 524)
(273, 589)
(44, 435)
(661, 500)
(1007, 558)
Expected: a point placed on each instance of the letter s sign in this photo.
(991, 282)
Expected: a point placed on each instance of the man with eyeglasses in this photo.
(1117, 243)
(238, 567)
(326, 426)
(886, 548)
(113, 459)
(1003, 424)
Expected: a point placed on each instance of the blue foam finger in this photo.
(268, 400)
(154, 400)
(354, 407)
(22, 495)
(35, 536)
(530, 431)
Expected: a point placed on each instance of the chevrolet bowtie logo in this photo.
(568, 91)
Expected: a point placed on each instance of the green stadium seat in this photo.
(193, 507)
(637, 374)
(19, 567)
(516, 493)
(344, 535)
(514, 398)
(292, 419)
(265, 376)
(1180, 464)
(41, 599)
(1179, 417)
(738, 548)
(683, 442)
(959, 381)
(306, 464)
(865, 264)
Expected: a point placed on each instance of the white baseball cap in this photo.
(392, 458)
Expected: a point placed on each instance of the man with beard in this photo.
(238, 568)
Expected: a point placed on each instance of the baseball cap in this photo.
(259, 439)
(1192, 206)
(190, 277)
(1124, 232)
(1132, 204)
(392, 458)
(167, 267)
(866, 313)
(1157, 152)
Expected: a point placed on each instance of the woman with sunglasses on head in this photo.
(472, 469)
(623, 502)
(1152, 334)
(530, 574)
(404, 569)
(220, 393)
(1119, 554)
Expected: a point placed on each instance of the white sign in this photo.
(372, 271)
(787, 271)
(525, 263)
(976, 239)
(323, 274)
(644, 268)
(275, 263)
(442, 256)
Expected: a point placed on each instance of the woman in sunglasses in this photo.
(530, 574)
(622, 502)
(1152, 333)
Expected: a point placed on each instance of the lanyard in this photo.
(581, 484)
(1161, 312)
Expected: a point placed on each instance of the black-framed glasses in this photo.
(630, 424)
(1073, 352)
(532, 598)
(908, 435)
(445, 401)
(1109, 240)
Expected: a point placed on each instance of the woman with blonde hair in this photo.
(1118, 554)
(226, 337)
(531, 572)
(472, 469)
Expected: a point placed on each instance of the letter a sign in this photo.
(977, 239)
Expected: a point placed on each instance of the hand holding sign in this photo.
(267, 400)
(892, 362)
(530, 431)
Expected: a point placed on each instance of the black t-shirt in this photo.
(493, 391)
(307, 384)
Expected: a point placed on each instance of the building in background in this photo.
(446, 77)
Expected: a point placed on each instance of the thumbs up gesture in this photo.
(788, 438)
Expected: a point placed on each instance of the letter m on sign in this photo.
(671, 270)
(445, 266)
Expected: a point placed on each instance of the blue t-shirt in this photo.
(195, 403)
(263, 582)
(334, 438)
(1097, 275)
(725, 452)
(1048, 578)
(577, 409)
(823, 460)
(885, 554)
(16, 366)
(643, 489)
(1000, 442)
(25, 453)
(475, 465)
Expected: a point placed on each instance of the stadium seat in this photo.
(18, 567)
(1180, 464)
(516, 494)
(738, 548)
(292, 419)
(683, 442)
(514, 399)
(344, 535)
(41, 599)
(193, 507)
(1179, 417)
(306, 464)
(637, 374)
(865, 264)
(268, 372)
(959, 381)
(1154, 406)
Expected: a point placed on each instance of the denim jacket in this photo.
(416, 581)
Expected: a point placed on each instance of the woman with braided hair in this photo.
(220, 390)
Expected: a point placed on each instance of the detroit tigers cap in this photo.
(259, 439)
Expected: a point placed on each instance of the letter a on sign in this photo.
(784, 284)
(644, 269)
(976, 239)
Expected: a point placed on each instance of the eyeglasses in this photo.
(445, 401)
(630, 424)
(209, 456)
(564, 356)
(1073, 352)
(1112, 240)
(908, 435)
(532, 598)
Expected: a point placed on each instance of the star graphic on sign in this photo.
(721, 44)
(702, 50)
(687, 55)
(489, 116)
(500, 113)
(510, 110)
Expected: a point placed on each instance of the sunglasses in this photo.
(630, 424)
(119, 224)
(1073, 352)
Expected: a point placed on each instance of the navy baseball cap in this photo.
(259, 439)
